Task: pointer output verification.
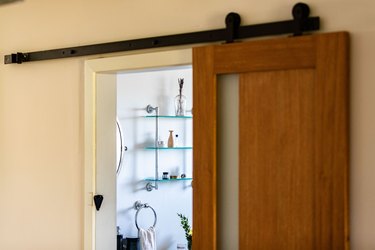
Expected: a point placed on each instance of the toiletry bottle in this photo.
(165, 176)
(170, 139)
(181, 246)
(119, 239)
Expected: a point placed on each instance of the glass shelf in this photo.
(168, 180)
(166, 148)
(170, 116)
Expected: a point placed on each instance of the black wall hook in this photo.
(98, 200)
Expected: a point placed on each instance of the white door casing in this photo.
(100, 136)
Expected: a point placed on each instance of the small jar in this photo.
(181, 246)
(165, 176)
(160, 144)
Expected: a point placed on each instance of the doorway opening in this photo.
(103, 79)
(150, 159)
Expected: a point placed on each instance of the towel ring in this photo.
(138, 205)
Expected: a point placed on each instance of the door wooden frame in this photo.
(315, 51)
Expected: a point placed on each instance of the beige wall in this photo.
(41, 103)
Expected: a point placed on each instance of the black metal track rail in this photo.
(300, 23)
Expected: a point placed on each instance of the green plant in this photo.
(188, 231)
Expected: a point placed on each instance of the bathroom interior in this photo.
(154, 156)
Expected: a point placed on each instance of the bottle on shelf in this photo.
(165, 176)
(170, 139)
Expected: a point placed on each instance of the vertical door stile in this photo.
(204, 144)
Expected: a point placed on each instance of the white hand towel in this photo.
(147, 238)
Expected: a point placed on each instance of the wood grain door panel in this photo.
(276, 160)
(294, 142)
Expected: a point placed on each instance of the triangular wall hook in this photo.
(98, 200)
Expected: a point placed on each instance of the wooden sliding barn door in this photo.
(293, 142)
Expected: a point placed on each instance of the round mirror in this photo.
(120, 147)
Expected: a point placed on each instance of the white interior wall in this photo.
(134, 92)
